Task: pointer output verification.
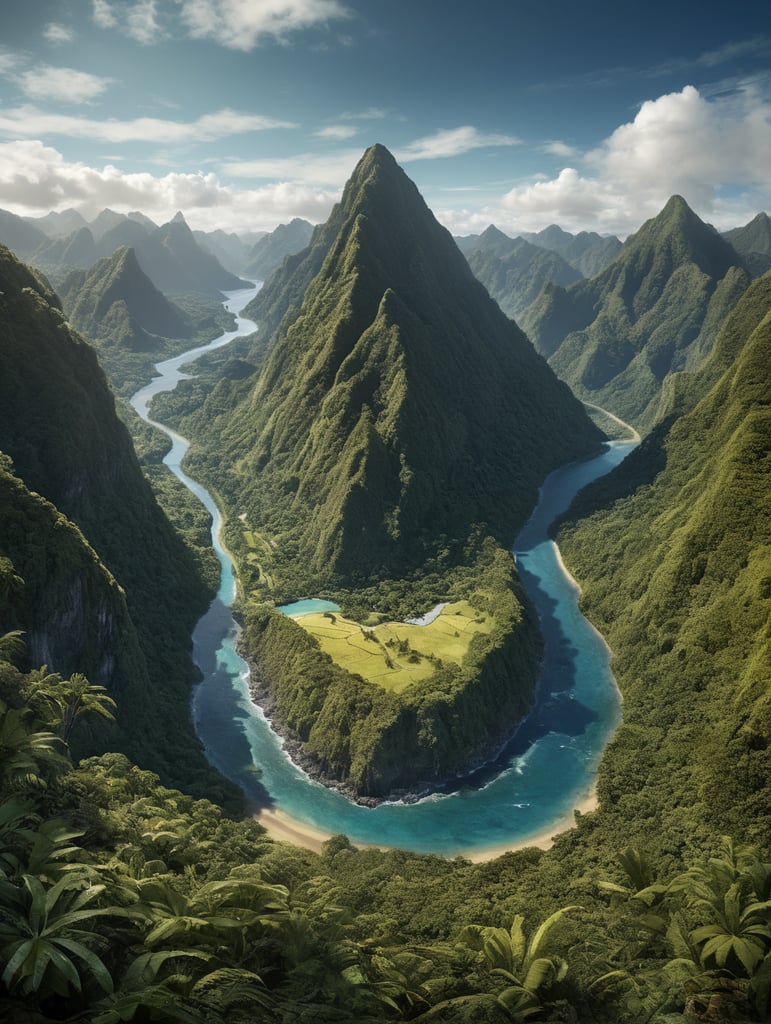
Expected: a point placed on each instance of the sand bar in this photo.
(283, 827)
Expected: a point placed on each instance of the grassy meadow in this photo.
(395, 655)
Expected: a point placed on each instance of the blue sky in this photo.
(245, 113)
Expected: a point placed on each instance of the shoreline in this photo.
(282, 827)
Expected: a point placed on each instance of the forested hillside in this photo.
(59, 427)
(674, 553)
(654, 311)
(397, 405)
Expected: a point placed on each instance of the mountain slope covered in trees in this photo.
(673, 550)
(514, 271)
(654, 311)
(397, 403)
(115, 301)
(59, 427)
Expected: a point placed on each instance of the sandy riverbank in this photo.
(281, 826)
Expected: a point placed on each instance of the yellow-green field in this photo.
(396, 654)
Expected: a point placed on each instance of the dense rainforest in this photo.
(122, 899)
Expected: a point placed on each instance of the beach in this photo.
(283, 827)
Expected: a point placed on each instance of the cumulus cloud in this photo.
(31, 122)
(235, 24)
(58, 34)
(35, 179)
(452, 142)
(64, 84)
(138, 19)
(104, 15)
(678, 143)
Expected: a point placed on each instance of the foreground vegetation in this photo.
(121, 900)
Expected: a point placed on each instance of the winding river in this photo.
(548, 768)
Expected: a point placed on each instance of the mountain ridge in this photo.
(653, 311)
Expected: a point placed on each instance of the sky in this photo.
(245, 113)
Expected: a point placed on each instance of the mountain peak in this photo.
(382, 315)
(178, 218)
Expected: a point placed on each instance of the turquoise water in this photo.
(309, 606)
(552, 759)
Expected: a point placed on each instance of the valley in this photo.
(447, 778)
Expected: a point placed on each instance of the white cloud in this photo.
(561, 149)
(336, 131)
(104, 16)
(308, 168)
(370, 114)
(137, 18)
(452, 142)
(64, 84)
(142, 23)
(35, 179)
(9, 62)
(241, 25)
(734, 50)
(58, 34)
(678, 143)
(31, 122)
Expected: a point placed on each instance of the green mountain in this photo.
(654, 311)
(398, 403)
(269, 252)
(115, 300)
(58, 425)
(514, 271)
(587, 252)
(753, 241)
(169, 255)
(18, 235)
(174, 262)
(398, 419)
(673, 551)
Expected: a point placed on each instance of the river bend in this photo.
(548, 768)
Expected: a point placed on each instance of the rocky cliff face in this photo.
(109, 589)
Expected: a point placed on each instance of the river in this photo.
(548, 768)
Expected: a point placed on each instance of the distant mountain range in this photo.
(169, 255)
(269, 252)
(654, 311)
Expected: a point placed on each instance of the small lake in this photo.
(549, 766)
